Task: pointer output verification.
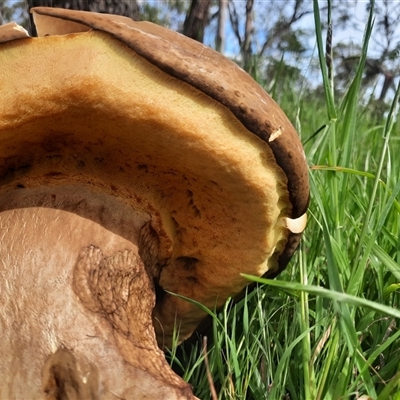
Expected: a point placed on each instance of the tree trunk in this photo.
(389, 79)
(222, 15)
(2, 11)
(197, 19)
(247, 50)
(127, 8)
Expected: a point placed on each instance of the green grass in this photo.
(328, 326)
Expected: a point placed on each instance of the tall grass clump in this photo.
(328, 326)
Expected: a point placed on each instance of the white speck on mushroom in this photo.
(275, 135)
(297, 225)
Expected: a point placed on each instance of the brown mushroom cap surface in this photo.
(161, 142)
(12, 31)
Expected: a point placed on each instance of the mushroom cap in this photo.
(12, 31)
(149, 118)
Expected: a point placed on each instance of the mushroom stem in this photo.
(83, 317)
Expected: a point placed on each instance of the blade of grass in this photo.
(354, 283)
(308, 370)
(330, 294)
(330, 103)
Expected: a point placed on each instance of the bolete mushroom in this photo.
(134, 162)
